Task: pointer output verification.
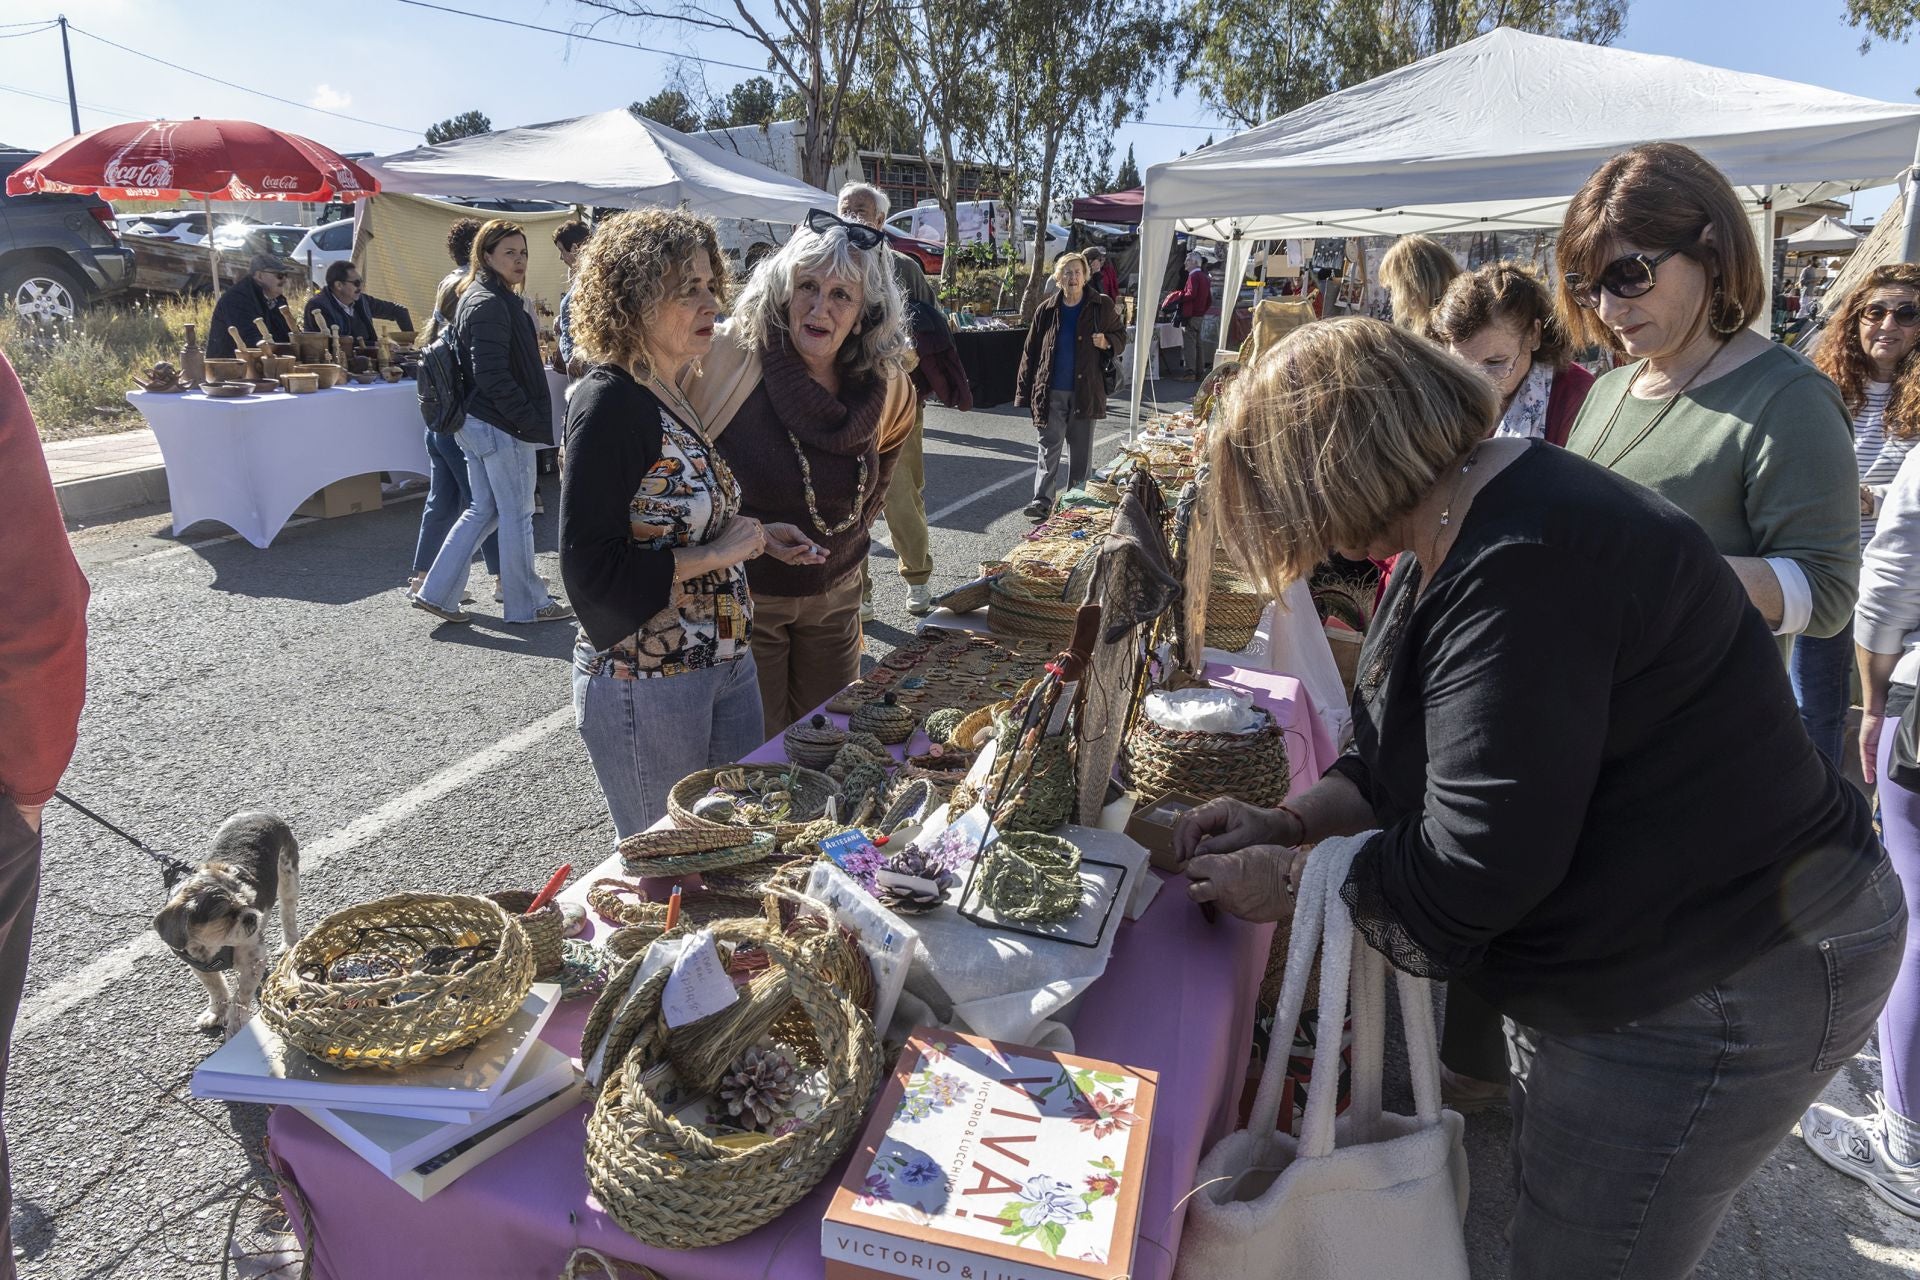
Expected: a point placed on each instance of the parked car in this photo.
(324, 245)
(929, 255)
(58, 253)
(977, 218)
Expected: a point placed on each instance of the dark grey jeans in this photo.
(1062, 428)
(1629, 1144)
(19, 888)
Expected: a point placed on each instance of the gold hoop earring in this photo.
(1716, 310)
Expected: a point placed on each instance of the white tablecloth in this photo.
(249, 462)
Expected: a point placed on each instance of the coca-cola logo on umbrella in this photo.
(150, 174)
(280, 182)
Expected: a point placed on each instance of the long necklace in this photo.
(683, 406)
(1606, 432)
(1446, 512)
(813, 505)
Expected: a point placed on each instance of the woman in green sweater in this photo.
(1744, 435)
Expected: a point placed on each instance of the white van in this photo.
(980, 220)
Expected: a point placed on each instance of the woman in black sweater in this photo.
(1594, 801)
(653, 547)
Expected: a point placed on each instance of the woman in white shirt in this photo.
(1869, 353)
(1878, 371)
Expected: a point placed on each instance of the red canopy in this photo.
(1115, 206)
(201, 159)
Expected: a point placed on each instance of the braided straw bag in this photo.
(670, 1185)
(363, 1023)
(1234, 607)
(1247, 766)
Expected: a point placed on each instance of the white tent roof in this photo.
(1499, 133)
(608, 158)
(1824, 236)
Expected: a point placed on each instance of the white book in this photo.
(392, 1144)
(434, 1173)
(258, 1066)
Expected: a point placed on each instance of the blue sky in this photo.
(392, 64)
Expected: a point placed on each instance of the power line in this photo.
(48, 97)
(576, 35)
(259, 93)
(36, 31)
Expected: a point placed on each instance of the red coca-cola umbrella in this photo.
(194, 159)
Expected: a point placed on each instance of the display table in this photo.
(1178, 996)
(249, 462)
(991, 358)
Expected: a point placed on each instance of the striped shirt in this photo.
(1878, 457)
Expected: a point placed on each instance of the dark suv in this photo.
(57, 252)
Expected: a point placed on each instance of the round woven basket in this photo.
(391, 1023)
(967, 735)
(886, 720)
(813, 744)
(1234, 607)
(671, 1186)
(1104, 491)
(966, 597)
(1247, 766)
(546, 930)
(675, 851)
(1024, 610)
(810, 788)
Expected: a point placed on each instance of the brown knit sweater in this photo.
(837, 433)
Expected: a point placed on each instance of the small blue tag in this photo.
(842, 846)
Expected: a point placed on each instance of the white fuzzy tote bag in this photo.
(1373, 1196)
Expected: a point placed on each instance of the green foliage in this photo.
(1889, 20)
(464, 125)
(76, 376)
(671, 108)
(1129, 176)
(752, 101)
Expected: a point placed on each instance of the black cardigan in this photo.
(1595, 794)
(500, 360)
(613, 437)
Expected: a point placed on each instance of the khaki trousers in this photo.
(906, 511)
(807, 649)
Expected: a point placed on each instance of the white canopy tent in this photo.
(1496, 135)
(610, 158)
(1824, 236)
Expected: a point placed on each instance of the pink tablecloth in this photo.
(1178, 997)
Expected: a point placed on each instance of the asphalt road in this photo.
(410, 756)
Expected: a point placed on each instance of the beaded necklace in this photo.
(813, 505)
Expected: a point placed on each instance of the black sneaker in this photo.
(1038, 509)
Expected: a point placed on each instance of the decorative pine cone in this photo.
(756, 1090)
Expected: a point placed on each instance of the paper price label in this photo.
(698, 986)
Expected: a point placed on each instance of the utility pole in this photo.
(66, 52)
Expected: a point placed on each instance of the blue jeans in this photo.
(644, 735)
(1629, 1144)
(1821, 682)
(500, 472)
(448, 494)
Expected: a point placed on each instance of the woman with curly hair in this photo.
(1500, 320)
(1870, 355)
(808, 380)
(653, 545)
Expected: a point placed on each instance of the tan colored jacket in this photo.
(730, 372)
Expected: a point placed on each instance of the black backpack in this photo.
(440, 385)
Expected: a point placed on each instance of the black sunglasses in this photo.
(859, 234)
(1906, 315)
(355, 283)
(1627, 277)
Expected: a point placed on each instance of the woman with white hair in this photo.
(1060, 377)
(807, 398)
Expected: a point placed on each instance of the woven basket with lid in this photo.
(886, 720)
(814, 742)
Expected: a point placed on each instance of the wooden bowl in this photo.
(330, 375)
(392, 373)
(301, 383)
(227, 390)
(226, 370)
(364, 376)
(310, 348)
(265, 385)
(277, 366)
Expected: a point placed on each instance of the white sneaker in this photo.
(866, 611)
(919, 599)
(1858, 1148)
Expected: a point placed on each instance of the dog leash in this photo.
(171, 868)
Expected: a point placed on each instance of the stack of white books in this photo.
(424, 1126)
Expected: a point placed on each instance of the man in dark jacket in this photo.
(344, 304)
(258, 295)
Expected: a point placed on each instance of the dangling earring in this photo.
(1717, 308)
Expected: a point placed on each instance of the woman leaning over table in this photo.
(1882, 1148)
(1742, 434)
(807, 397)
(653, 547)
(1872, 353)
(1632, 850)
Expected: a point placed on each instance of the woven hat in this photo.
(814, 743)
(886, 720)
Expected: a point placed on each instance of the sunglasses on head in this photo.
(1627, 277)
(1906, 315)
(859, 235)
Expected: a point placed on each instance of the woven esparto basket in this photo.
(966, 597)
(811, 791)
(677, 851)
(1021, 609)
(1045, 795)
(359, 1024)
(545, 930)
(1234, 607)
(671, 1186)
(1247, 766)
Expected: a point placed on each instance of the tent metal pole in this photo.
(1910, 232)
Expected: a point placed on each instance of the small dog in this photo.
(213, 921)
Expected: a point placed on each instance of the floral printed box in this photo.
(992, 1160)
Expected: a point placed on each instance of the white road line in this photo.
(47, 1005)
(885, 539)
(184, 548)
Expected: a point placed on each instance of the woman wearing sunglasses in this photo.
(1878, 368)
(1742, 434)
(1869, 353)
(807, 398)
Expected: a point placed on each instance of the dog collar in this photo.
(221, 962)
